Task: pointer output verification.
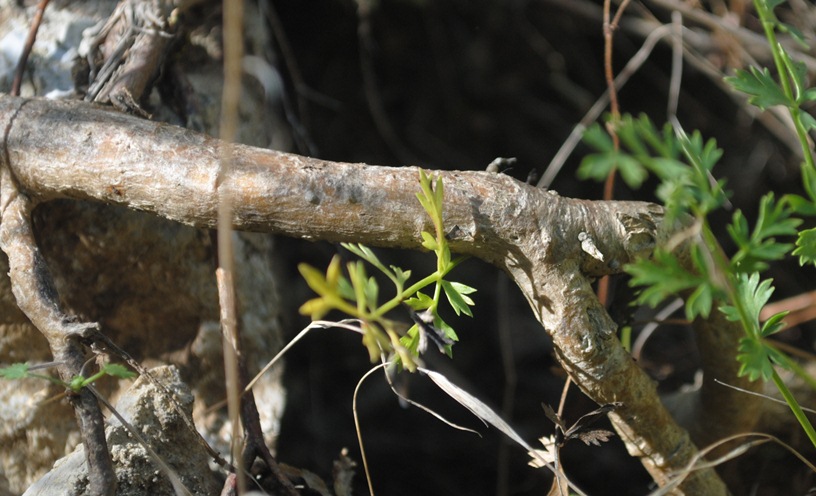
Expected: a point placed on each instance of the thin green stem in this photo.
(799, 371)
(48, 378)
(803, 138)
(768, 25)
(795, 408)
(399, 298)
(770, 34)
(751, 328)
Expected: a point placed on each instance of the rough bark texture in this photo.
(149, 282)
(551, 246)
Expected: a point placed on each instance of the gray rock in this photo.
(152, 414)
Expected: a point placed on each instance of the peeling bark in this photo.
(552, 246)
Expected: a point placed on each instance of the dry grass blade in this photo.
(318, 324)
(698, 462)
(357, 425)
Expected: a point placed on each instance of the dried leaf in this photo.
(595, 437)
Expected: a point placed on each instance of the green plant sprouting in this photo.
(683, 165)
(19, 371)
(355, 293)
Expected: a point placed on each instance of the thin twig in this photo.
(763, 396)
(357, 426)
(677, 66)
(233, 13)
(29, 44)
(609, 29)
(634, 64)
(100, 342)
(37, 297)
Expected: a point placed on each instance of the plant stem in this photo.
(795, 408)
(776, 49)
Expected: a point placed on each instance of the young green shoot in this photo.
(356, 294)
(19, 371)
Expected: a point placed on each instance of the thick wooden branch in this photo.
(75, 150)
(551, 246)
(34, 291)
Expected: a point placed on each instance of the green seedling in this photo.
(19, 371)
(357, 294)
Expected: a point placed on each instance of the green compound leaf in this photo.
(118, 370)
(760, 246)
(446, 329)
(761, 87)
(431, 198)
(664, 276)
(801, 205)
(755, 359)
(315, 308)
(632, 172)
(459, 301)
(372, 293)
(465, 290)
(795, 33)
(808, 121)
(809, 95)
(596, 137)
(429, 241)
(774, 324)
(798, 75)
(401, 275)
(597, 166)
(14, 371)
(397, 275)
(420, 301)
(319, 283)
(751, 296)
(774, 219)
(700, 301)
(806, 247)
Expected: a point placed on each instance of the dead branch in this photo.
(36, 296)
(553, 247)
(130, 46)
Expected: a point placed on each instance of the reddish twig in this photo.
(29, 44)
(609, 28)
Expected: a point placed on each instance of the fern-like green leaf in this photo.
(117, 370)
(420, 301)
(751, 295)
(773, 324)
(806, 247)
(458, 301)
(754, 359)
(14, 371)
(760, 246)
(760, 86)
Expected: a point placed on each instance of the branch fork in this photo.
(553, 247)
